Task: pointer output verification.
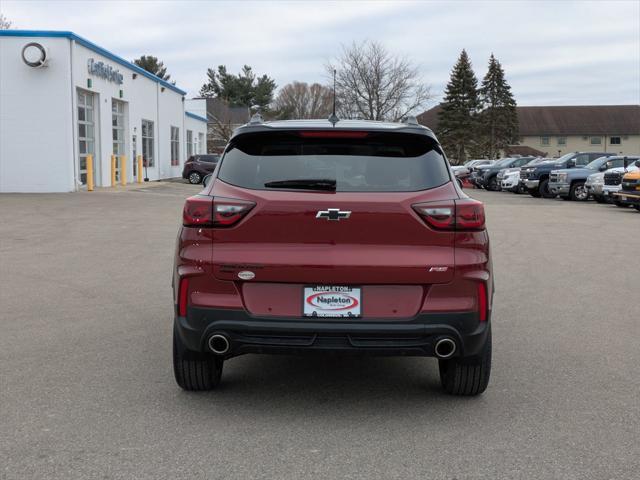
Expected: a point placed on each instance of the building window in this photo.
(117, 128)
(201, 145)
(147, 143)
(544, 140)
(189, 143)
(562, 140)
(595, 140)
(175, 146)
(614, 141)
(86, 132)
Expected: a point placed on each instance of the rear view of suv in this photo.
(352, 238)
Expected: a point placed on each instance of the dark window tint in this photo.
(208, 158)
(376, 162)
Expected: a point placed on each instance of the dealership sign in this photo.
(100, 69)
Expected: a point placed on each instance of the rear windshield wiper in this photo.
(308, 184)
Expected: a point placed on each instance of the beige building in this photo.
(602, 128)
(554, 131)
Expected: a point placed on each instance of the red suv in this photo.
(351, 238)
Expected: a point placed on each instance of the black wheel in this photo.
(195, 178)
(467, 376)
(600, 199)
(620, 204)
(534, 193)
(544, 189)
(637, 207)
(578, 193)
(195, 371)
(493, 184)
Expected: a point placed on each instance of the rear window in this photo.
(371, 162)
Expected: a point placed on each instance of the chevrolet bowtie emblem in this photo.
(333, 214)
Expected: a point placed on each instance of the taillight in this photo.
(198, 211)
(204, 211)
(333, 134)
(482, 301)
(183, 292)
(458, 215)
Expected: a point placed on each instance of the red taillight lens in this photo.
(183, 292)
(439, 216)
(482, 301)
(458, 215)
(204, 211)
(333, 134)
(198, 211)
(229, 211)
(469, 214)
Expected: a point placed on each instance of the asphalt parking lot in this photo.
(87, 389)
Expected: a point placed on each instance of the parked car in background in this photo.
(198, 166)
(612, 179)
(569, 183)
(536, 178)
(509, 178)
(488, 177)
(629, 193)
(462, 171)
(594, 185)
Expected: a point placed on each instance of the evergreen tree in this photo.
(244, 89)
(457, 126)
(498, 119)
(152, 65)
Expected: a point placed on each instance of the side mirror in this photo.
(206, 180)
(605, 166)
(571, 163)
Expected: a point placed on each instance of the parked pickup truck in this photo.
(486, 176)
(612, 179)
(629, 194)
(536, 178)
(569, 183)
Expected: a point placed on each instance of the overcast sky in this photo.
(553, 52)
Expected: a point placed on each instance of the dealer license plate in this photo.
(332, 301)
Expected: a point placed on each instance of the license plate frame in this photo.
(340, 301)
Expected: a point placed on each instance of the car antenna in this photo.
(333, 118)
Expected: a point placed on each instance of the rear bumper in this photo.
(248, 334)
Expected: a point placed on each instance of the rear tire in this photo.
(637, 207)
(492, 185)
(600, 199)
(534, 193)
(467, 376)
(195, 371)
(578, 193)
(620, 204)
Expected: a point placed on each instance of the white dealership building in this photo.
(63, 98)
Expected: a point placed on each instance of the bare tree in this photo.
(5, 23)
(301, 100)
(373, 84)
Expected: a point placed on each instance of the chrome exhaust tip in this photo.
(445, 348)
(219, 344)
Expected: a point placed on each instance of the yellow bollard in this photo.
(113, 170)
(89, 173)
(123, 170)
(139, 168)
